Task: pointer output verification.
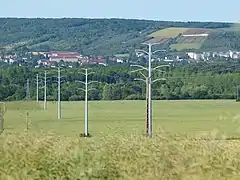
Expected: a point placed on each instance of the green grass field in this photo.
(118, 150)
(125, 117)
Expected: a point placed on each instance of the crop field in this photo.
(187, 40)
(169, 32)
(188, 43)
(191, 38)
(174, 32)
(191, 140)
(180, 47)
(196, 31)
(159, 40)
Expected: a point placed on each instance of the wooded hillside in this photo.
(96, 36)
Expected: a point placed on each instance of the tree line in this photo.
(117, 83)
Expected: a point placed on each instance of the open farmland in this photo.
(184, 38)
(191, 31)
(191, 117)
(168, 32)
(159, 40)
(188, 43)
(189, 40)
(117, 152)
(176, 32)
(180, 47)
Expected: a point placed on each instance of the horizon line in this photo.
(122, 18)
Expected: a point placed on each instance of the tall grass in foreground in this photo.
(116, 157)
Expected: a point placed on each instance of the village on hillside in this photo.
(51, 58)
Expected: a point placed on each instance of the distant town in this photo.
(68, 58)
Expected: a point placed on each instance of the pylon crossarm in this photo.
(160, 79)
(139, 79)
(142, 51)
(90, 73)
(56, 81)
(82, 73)
(159, 67)
(42, 79)
(92, 82)
(86, 69)
(38, 82)
(92, 89)
(85, 73)
(60, 76)
(136, 65)
(82, 89)
(41, 75)
(81, 82)
(137, 70)
(158, 51)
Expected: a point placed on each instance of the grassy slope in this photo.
(192, 117)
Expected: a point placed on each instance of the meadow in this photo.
(190, 117)
(190, 141)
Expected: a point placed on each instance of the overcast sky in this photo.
(174, 10)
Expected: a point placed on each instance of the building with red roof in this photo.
(57, 56)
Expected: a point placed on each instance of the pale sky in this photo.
(174, 10)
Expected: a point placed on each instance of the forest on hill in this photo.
(192, 81)
(105, 37)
